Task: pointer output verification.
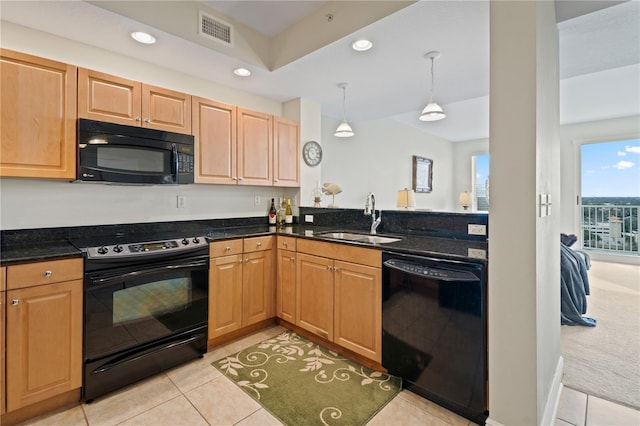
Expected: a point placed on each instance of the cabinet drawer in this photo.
(34, 274)
(286, 243)
(258, 244)
(225, 248)
(345, 252)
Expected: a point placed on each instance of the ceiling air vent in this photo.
(215, 28)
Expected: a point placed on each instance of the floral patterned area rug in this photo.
(303, 383)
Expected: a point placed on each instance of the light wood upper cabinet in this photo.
(38, 117)
(214, 129)
(105, 97)
(255, 148)
(286, 148)
(44, 332)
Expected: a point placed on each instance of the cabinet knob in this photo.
(246, 261)
(227, 248)
(276, 180)
(335, 269)
(48, 273)
(259, 244)
(284, 243)
(138, 118)
(293, 259)
(240, 178)
(14, 302)
(147, 120)
(234, 178)
(328, 268)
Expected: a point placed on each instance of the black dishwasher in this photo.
(434, 330)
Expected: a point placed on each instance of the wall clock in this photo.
(312, 153)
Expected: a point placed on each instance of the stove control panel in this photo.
(144, 248)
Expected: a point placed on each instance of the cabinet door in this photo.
(314, 294)
(225, 295)
(44, 342)
(258, 296)
(286, 286)
(214, 128)
(358, 304)
(38, 117)
(105, 97)
(255, 148)
(164, 109)
(286, 158)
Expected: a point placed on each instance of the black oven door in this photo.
(142, 320)
(127, 307)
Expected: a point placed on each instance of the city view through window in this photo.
(611, 195)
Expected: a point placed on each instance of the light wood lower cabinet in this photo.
(43, 331)
(241, 284)
(286, 279)
(339, 295)
(38, 117)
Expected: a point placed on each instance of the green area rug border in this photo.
(303, 383)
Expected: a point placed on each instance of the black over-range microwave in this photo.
(110, 152)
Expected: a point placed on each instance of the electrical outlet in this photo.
(477, 253)
(308, 218)
(295, 200)
(181, 201)
(473, 229)
(256, 200)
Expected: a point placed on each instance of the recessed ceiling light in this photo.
(242, 72)
(361, 45)
(143, 37)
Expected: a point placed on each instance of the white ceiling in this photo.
(392, 79)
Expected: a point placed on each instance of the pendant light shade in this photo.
(433, 111)
(344, 130)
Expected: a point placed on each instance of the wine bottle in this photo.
(272, 212)
(288, 214)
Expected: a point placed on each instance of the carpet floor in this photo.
(303, 383)
(604, 360)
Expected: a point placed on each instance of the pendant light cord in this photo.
(431, 96)
(344, 97)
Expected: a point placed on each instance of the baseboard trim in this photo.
(553, 399)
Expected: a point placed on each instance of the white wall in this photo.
(463, 153)
(524, 321)
(378, 159)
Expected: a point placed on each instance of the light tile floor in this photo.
(183, 396)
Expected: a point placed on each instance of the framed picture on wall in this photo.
(422, 174)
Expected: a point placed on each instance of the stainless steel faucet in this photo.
(370, 209)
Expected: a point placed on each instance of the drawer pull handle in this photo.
(228, 248)
(259, 244)
(48, 273)
(14, 302)
(293, 259)
(284, 243)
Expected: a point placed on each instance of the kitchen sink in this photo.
(360, 238)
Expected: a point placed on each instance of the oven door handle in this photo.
(138, 356)
(447, 275)
(106, 279)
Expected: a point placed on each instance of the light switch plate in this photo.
(308, 218)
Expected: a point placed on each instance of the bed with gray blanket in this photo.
(574, 287)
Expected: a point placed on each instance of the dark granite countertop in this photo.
(31, 246)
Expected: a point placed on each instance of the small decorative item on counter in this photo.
(288, 214)
(331, 189)
(317, 193)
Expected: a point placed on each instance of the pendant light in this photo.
(433, 111)
(343, 130)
